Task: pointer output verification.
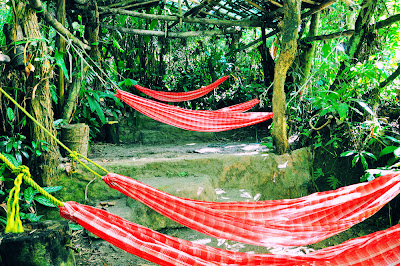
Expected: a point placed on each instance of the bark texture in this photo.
(290, 27)
(41, 106)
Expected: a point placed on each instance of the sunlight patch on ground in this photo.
(206, 150)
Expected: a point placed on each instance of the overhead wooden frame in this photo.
(224, 14)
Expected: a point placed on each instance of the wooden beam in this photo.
(187, 34)
(380, 24)
(220, 22)
(318, 8)
(256, 6)
(345, 33)
(127, 4)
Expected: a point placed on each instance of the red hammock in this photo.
(241, 107)
(181, 96)
(202, 121)
(289, 222)
(379, 248)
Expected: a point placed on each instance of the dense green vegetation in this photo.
(346, 106)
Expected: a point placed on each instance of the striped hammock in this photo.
(202, 121)
(379, 248)
(180, 96)
(288, 222)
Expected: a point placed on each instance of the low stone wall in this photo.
(272, 176)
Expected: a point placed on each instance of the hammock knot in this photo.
(22, 169)
(74, 157)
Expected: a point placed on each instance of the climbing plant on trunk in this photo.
(39, 92)
(290, 27)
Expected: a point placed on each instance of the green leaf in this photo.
(342, 110)
(370, 155)
(75, 227)
(59, 56)
(364, 162)
(146, 39)
(116, 45)
(326, 49)
(52, 189)
(393, 139)
(387, 150)
(348, 153)
(3, 220)
(130, 82)
(95, 106)
(366, 107)
(11, 159)
(44, 201)
(10, 114)
(355, 160)
(32, 217)
(153, 24)
(29, 194)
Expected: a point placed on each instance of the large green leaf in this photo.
(44, 201)
(59, 56)
(10, 114)
(342, 110)
(52, 189)
(348, 153)
(387, 150)
(95, 107)
(29, 194)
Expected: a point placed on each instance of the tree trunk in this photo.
(60, 44)
(290, 27)
(356, 40)
(308, 55)
(41, 105)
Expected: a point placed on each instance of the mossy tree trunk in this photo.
(61, 45)
(290, 29)
(308, 54)
(39, 90)
(356, 41)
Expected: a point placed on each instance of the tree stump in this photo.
(42, 243)
(75, 137)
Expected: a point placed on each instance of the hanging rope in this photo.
(14, 224)
(74, 155)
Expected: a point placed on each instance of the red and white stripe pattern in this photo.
(202, 121)
(379, 248)
(241, 107)
(181, 96)
(288, 222)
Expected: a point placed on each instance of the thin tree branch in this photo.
(37, 5)
(387, 22)
(392, 77)
(220, 22)
(170, 34)
(345, 33)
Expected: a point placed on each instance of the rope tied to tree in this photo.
(14, 224)
(74, 155)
